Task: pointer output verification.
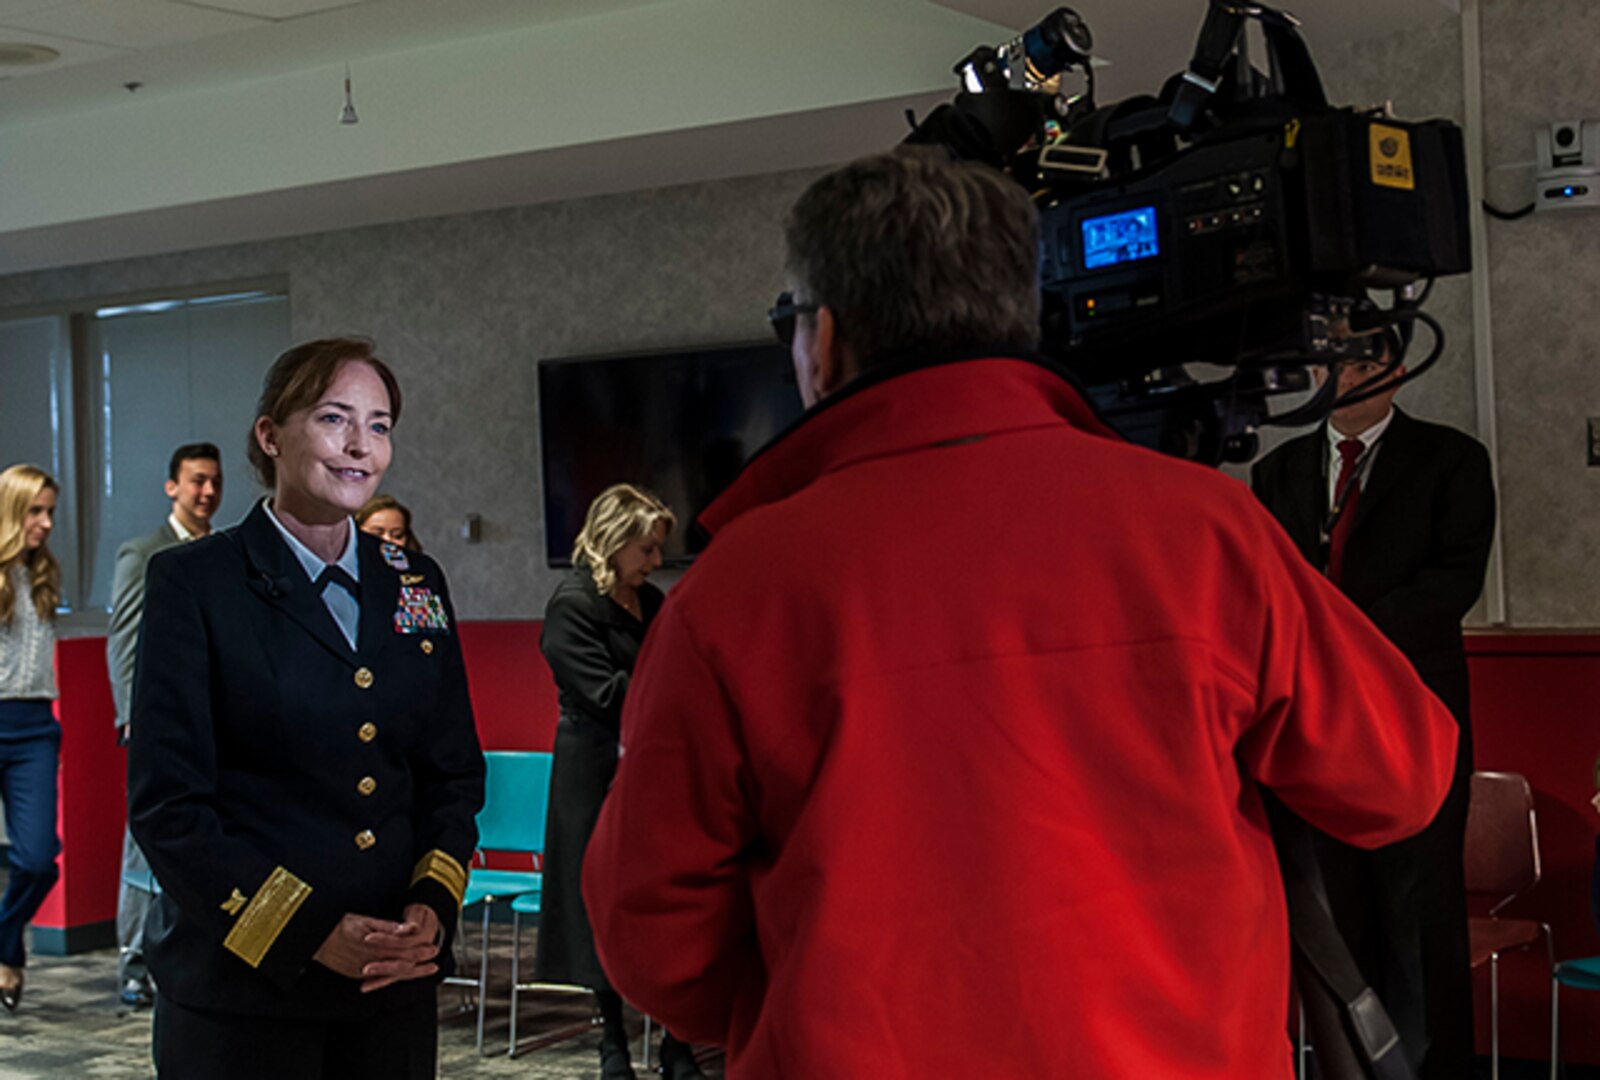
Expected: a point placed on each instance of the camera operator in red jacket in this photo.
(947, 757)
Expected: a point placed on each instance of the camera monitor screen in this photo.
(1123, 237)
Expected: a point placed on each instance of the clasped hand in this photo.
(381, 953)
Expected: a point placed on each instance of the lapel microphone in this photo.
(277, 587)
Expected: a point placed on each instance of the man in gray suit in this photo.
(194, 484)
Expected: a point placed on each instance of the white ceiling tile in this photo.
(275, 9)
(133, 24)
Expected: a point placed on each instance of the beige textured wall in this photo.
(1541, 64)
(464, 307)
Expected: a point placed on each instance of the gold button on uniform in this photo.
(367, 785)
(427, 647)
(364, 677)
(365, 839)
(367, 732)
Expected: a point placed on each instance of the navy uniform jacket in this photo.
(278, 781)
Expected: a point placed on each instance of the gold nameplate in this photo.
(1390, 154)
(235, 903)
(267, 914)
(444, 869)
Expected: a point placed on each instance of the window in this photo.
(102, 395)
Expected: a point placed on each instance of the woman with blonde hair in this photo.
(593, 627)
(30, 737)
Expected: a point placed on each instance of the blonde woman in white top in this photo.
(30, 737)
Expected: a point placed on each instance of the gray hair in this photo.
(913, 251)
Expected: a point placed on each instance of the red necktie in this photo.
(1349, 486)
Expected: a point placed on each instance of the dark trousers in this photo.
(1402, 910)
(28, 786)
(134, 900)
(196, 1044)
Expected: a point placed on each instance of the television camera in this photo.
(1235, 219)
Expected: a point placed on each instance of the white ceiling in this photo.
(231, 132)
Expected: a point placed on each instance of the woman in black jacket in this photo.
(304, 770)
(593, 627)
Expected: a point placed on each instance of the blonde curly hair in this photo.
(620, 515)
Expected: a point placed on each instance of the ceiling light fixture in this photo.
(26, 54)
(347, 115)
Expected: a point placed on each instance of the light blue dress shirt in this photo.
(345, 608)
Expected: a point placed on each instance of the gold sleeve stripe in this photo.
(268, 912)
(439, 866)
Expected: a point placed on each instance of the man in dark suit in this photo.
(194, 484)
(1400, 514)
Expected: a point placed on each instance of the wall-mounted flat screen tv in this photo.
(681, 424)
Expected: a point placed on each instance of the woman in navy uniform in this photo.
(304, 770)
(593, 627)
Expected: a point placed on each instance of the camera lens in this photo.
(1565, 136)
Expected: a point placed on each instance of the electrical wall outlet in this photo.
(1594, 440)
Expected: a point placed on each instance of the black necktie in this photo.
(337, 575)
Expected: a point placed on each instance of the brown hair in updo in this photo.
(298, 379)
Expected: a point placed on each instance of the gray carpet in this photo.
(70, 1024)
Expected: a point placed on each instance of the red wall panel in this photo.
(92, 793)
(513, 693)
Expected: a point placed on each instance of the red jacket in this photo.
(945, 759)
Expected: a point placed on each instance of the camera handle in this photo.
(1294, 74)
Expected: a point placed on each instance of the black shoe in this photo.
(677, 1060)
(136, 994)
(11, 991)
(615, 1064)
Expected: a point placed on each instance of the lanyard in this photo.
(1352, 482)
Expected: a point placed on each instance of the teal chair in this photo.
(1581, 974)
(516, 800)
(527, 907)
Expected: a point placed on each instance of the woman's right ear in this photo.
(266, 433)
